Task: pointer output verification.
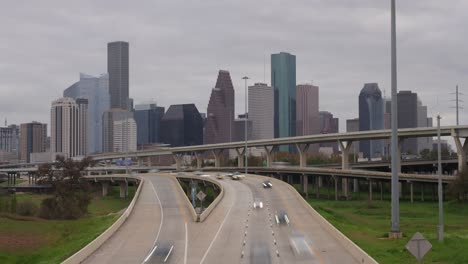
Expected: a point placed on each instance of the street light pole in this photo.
(440, 191)
(395, 228)
(245, 78)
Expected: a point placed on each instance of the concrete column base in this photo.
(394, 235)
(123, 190)
(105, 188)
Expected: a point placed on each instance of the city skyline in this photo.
(318, 59)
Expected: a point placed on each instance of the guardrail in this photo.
(94, 245)
(359, 254)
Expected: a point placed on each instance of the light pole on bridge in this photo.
(245, 78)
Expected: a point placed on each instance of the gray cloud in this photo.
(178, 46)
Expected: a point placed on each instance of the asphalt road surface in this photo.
(234, 232)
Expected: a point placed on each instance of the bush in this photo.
(459, 187)
(27, 208)
(72, 206)
(13, 204)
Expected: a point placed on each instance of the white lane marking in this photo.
(160, 224)
(217, 233)
(168, 254)
(149, 255)
(186, 243)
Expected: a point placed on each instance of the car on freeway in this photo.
(229, 175)
(282, 218)
(153, 171)
(257, 204)
(235, 177)
(267, 184)
(236, 173)
(259, 253)
(198, 173)
(219, 177)
(160, 253)
(300, 247)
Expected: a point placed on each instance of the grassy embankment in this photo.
(35, 240)
(367, 224)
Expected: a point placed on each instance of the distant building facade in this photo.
(283, 81)
(307, 110)
(96, 91)
(239, 129)
(328, 125)
(33, 139)
(118, 69)
(371, 117)
(148, 120)
(261, 111)
(69, 123)
(125, 135)
(9, 143)
(408, 118)
(220, 112)
(182, 125)
(108, 138)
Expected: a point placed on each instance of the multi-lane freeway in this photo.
(160, 228)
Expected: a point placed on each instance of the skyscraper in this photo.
(148, 119)
(69, 123)
(118, 69)
(307, 110)
(408, 118)
(108, 119)
(261, 111)
(220, 112)
(125, 135)
(9, 143)
(96, 91)
(33, 139)
(423, 121)
(371, 117)
(283, 81)
(328, 125)
(182, 126)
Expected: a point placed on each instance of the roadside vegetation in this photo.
(48, 228)
(367, 224)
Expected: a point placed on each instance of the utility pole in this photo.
(457, 104)
(395, 223)
(440, 191)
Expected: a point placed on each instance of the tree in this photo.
(459, 187)
(71, 194)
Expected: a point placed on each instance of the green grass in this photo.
(367, 224)
(18, 181)
(33, 240)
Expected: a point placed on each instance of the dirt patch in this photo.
(18, 241)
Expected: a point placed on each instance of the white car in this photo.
(258, 204)
(267, 184)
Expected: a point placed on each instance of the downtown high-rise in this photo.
(148, 119)
(220, 112)
(68, 132)
(33, 139)
(307, 110)
(261, 111)
(283, 81)
(183, 126)
(96, 91)
(371, 117)
(118, 69)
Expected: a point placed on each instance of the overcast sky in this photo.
(177, 48)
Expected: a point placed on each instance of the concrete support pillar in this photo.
(370, 189)
(139, 162)
(240, 157)
(302, 150)
(345, 146)
(320, 181)
(105, 188)
(411, 191)
(217, 157)
(178, 160)
(199, 157)
(422, 192)
(148, 161)
(461, 153)
(269, 155)
(290, 179)
(336, 187)
(381, 191)
(305, 185)
(355, 185)
(345, 187)
(317, 187)
(123, 189)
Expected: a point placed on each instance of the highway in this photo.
(234, 232)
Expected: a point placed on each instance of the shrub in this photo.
(27, 208)
(13, 204)
(459, 187)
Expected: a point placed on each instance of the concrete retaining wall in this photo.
(187, 202)
(359, 254)
(85, 252)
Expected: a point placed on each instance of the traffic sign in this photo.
(418, 246)
(201, 195)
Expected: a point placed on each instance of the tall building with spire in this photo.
(220, 112)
